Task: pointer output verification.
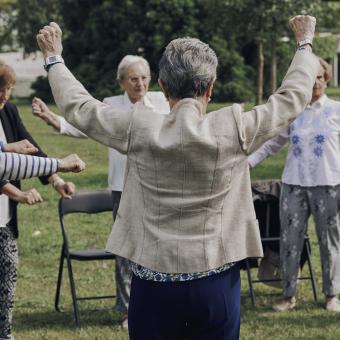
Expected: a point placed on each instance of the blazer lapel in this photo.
(6, 125)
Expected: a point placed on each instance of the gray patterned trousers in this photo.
(296, 205)
(8, 279)
(123, 274)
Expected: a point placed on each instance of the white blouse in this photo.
(314, 150)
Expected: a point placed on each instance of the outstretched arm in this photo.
(97, 120)
(15, 166)
(30, 197)
(263, 122)
(269, 148)
(22, 147)
(41, 110)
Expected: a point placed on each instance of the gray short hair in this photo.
(187, 68)
(127, 61)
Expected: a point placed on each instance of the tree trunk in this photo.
(260, 67)
(273, 68)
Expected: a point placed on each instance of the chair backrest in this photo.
(87, 202)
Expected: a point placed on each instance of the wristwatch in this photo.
(305, 42)
(53, 59)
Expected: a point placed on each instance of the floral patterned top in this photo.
(148, 274)
(313, 155)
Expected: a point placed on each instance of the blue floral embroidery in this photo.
(320, 138)
(318, 151)
(297, 151)
(295, 139)
(148, 274)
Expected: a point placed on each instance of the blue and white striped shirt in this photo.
(15, 166)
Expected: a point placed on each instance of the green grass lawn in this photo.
(34, 314)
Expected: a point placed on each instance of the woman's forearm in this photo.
(15, 166)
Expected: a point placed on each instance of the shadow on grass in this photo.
(65, 320)
(311, 315)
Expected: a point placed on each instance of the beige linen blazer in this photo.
(186, 204)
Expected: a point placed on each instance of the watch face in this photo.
(52, 59)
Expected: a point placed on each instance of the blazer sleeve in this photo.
(22, 133)
(99, 121)
(68, 130)
(255, 127)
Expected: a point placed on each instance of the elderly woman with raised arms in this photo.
(186, 215)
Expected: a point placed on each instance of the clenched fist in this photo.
(49, 40)
(303, 27)
(71, 163)
(23, 147)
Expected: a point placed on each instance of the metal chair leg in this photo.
(60, 275)
(250, 283)
(73, 292)
(308, 247)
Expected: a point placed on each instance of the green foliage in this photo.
(101, 33)
(266, 20)
(98, 33)
(325, 47)
(33, 15)
(285, 52)
(7, 24)
(328, 16)
(41, 88)
(234, 79)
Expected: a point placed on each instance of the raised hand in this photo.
(23, 147)
(39, 108)
(303, 27)
(49, 40)
(71, 163)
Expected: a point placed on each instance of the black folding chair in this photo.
(267, 212)
(92, 202)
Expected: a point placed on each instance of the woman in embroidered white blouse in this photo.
(310, 185)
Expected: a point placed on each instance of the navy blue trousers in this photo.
(202, 309)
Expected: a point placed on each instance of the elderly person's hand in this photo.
(65, 189)
(39, 108)
(303, 27)
(49, 40)
(30, 197)
(23, 147)
(71, 163)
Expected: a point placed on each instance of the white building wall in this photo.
(26, 69)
